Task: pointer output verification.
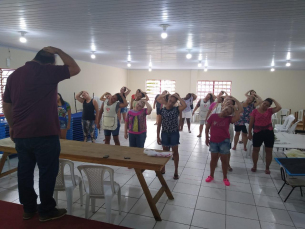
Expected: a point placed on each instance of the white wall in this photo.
(94, 78)
(285, 86)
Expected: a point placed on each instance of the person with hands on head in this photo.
(63, 108)
(106, 95)
(36, 131)
(135, 124)
(168, 120)
(159, 105)
(187, 112)
(204, 105)
(218, 127)
(248, 106)
(123, 111)
(217, 104)
(89, 118)
(138, 96)
(260, 118)
(111, 123)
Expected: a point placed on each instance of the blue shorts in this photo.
(63, 124)
(170, 139)
(221, 147)
(124, 110)
(115, 132)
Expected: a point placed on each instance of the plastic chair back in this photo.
(60, 179)
(94, 175)
(291, 130)
(285, 111)
(300, 115)
(289, 119)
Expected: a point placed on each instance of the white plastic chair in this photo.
(67, 183)
(300, 115)
(97, 188)
(291, 130)
(287, 123)
(274, 119)
(284, 112)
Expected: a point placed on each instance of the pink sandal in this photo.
(253, 170)
(267, 171)
(209, 179)
(227, 182)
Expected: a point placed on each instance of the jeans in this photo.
(137, 140)
(45, 152)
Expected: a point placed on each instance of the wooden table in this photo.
(93, 153)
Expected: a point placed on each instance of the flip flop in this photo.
(253, 170)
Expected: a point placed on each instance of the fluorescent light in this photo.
(200, 57)
(199, 64)
(149, 69)
(164, 35)
(288, 56)
(129, 58)
(92, 56)
(272, 69)
(150, 64)
(93, 48)
(128, 64)
(205, 69)
(288, 64)
(272, 63)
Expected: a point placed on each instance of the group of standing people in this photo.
(222, 115)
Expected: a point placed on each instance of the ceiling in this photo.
(231, 34)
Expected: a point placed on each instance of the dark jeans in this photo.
(45, 152)
(137, 140)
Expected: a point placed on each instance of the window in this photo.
(155, 87)
(204, 87)
(4, 74)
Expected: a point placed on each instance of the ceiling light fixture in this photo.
(129, 57)
(272, 69)
(200, 57)
(189, 55)
(164, 33)
(149, 69)
(205, 69)
(22, 39)
(199, 64)
(128, 64)
(93, 48)
(93, 55)
(288, 64)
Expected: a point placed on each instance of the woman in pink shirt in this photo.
(220, 138)
(263, 131)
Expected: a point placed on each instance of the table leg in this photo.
(147, 193)
(2, 162)
(164, 185)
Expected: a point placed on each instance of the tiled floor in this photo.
(251, 202)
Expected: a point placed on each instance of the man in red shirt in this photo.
(30, 107)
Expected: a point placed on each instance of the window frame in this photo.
(152, 97)
(2, 84)
(213, 88)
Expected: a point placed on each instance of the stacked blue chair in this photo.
(5, 132)
(76, 132)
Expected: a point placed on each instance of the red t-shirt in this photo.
(262, 121)
(32, 90)
(219, 128)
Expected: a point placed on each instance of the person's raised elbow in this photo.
(74, 70)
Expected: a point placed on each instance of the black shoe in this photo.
(55, 214)
(28, 215)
